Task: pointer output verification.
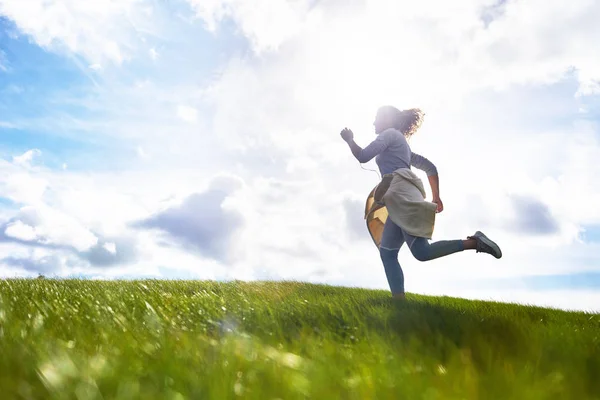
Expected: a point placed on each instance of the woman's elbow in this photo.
(362, 158)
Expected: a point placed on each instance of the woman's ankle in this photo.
(470, 244)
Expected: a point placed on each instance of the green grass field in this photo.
(78, 339)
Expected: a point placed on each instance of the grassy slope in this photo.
(160, 339)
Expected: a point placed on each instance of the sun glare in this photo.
(357, 66)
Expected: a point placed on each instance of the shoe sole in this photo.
(490, 243)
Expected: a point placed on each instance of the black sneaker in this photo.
(486, 245)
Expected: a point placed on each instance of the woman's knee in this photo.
(420, 253)
(388, 254)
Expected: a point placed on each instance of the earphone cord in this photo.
(367, 169)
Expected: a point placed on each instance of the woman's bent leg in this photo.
(423, 250)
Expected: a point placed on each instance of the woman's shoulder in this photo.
(391, 132)
(393, 135)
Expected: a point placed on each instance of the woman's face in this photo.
(383, 121)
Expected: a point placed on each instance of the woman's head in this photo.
(406, 121)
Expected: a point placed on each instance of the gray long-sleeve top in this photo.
(392, 151)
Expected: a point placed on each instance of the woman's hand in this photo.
(347, 134)
(440, 205)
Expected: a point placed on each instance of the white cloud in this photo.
(110, 247)
(202, 221)
(7, 125)
(21, 187)
(105, 30)
(81, 226)
(50, 227)
(21, 231)
(187, 113)
(26, 158)
(3, 62)
(427, 49)
(266, 23)
(142, 153)
(153, 53)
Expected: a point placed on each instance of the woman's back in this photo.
(392, 151)
(396, 154)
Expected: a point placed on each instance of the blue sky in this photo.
(201, 139)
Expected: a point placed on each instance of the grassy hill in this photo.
(205, 340)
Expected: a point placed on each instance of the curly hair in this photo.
(406, 121)
(409, 121)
